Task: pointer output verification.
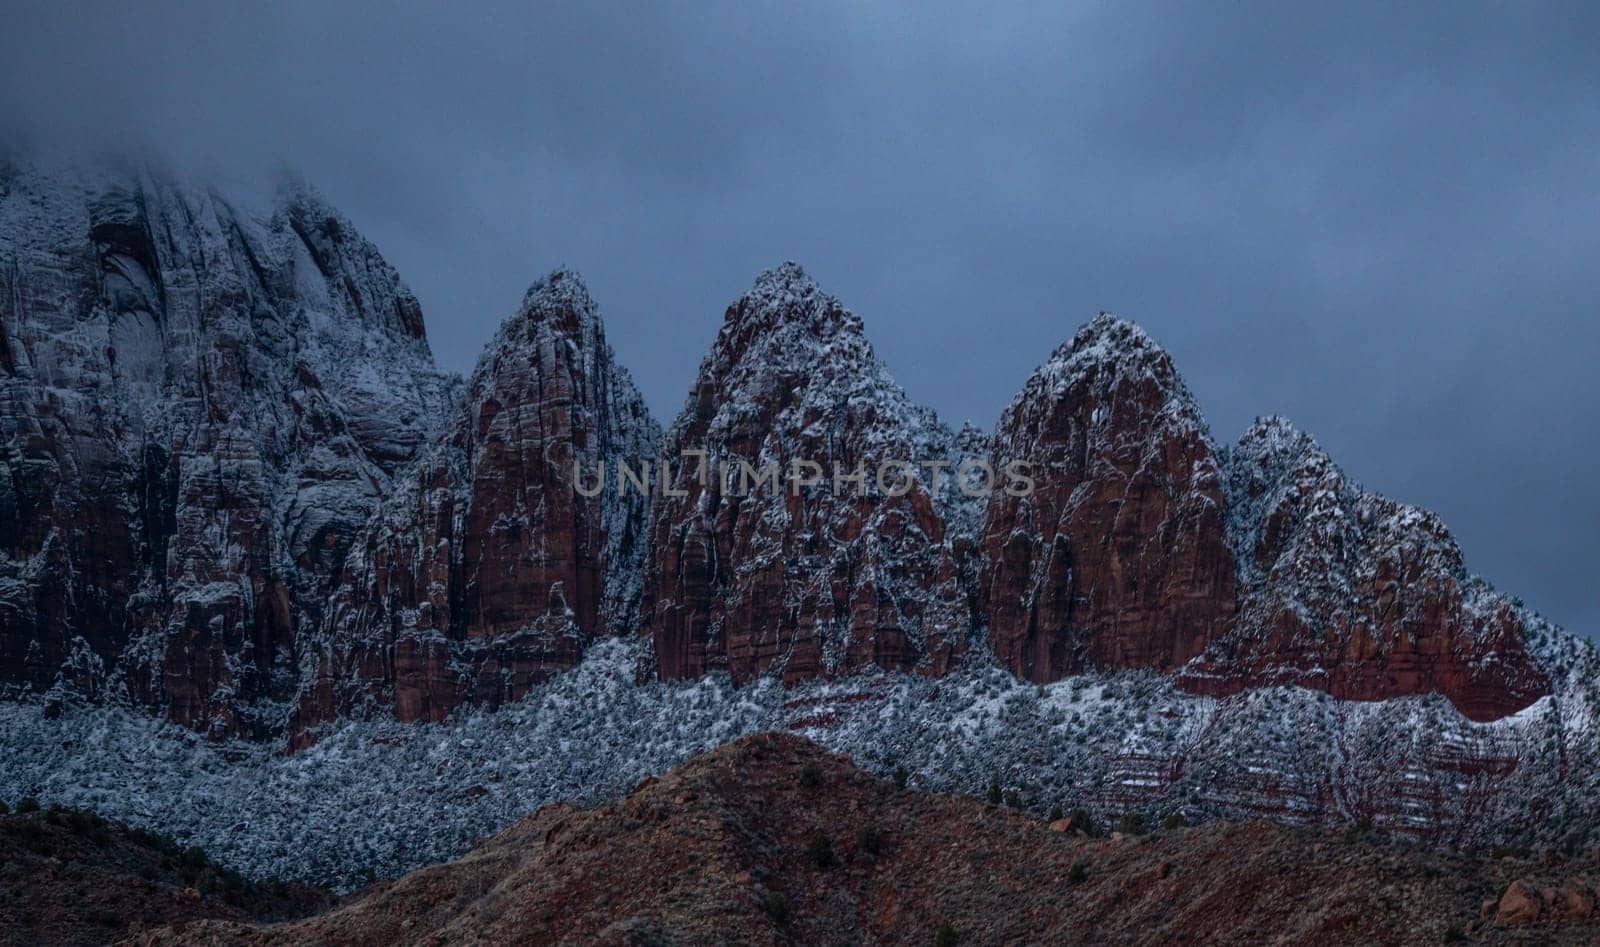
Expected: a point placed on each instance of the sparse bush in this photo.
(811, 776)
(994, 793)
(901, 777)
(1013, 799)
(26, 805)
(820, 851)
(1055, 814)
(1081, 818)
(777, 907)
(1357, 829)
(1176, 821)
(208, 883)
(1132, 823)
(869, 839)
(946, 936)
(1077, 874)
(1454, 935)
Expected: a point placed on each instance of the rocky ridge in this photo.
(234, 489)
(1356, 594)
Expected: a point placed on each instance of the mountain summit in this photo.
(801, 583)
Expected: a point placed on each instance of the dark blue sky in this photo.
(1381, 222)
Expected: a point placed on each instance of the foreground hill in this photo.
(772, 840)
(70, 877)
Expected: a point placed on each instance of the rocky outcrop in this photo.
(1142, 546)
(1350, 592)
(1521, 904)
(486, 569)
(1119, 558)
(801, 581)
(199, 405)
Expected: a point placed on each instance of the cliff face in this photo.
(1119, 558)
(199, 406)
(487, 570)
(817, 580)
(1355, 594)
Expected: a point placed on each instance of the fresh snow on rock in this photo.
(392, 797)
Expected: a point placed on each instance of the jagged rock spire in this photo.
(488, 570)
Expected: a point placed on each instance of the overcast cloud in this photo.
(1383, 223)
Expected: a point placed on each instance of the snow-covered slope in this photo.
(390, 796)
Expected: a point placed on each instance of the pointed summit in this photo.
(1113, 330)
(557, 302)
(1118, 558)
(562, 290)
(771, 581)
(786, 325)
(786, 280)
(1113, 357)
(488, 570)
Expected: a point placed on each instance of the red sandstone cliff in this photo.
(1119, 558)
(202, 407)
(487, 570)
